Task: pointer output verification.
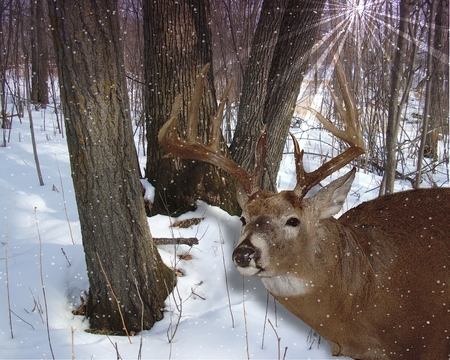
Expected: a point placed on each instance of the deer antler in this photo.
(352, 135)
(192, 148)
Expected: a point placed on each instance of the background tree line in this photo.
(120, 64)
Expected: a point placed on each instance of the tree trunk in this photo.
(256, 76)
(178, 44)
(394, 110)
(122, 261)
(438, 120)
(39, 55)
(430, 82)
(281, 48)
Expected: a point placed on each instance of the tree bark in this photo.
(39, 55)
(394, 109)
(120, 254)
(430, 82)
(178, 44)
(439, 109)
(280, 54)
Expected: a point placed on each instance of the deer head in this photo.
(375, 282)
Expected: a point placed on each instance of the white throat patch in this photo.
(286, 285)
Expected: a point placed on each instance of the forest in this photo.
(86, 87)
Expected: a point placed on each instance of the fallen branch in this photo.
(177, 241)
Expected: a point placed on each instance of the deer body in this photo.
(375, 282)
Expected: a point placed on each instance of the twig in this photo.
(245, 319)
(42, 284)
(118, 357)
(170, 333)
(285, 352)
(265, 320)
(177, 241)
(225, 272)
(278, 339)
(312, 336)
(7, 279)
(142, 319)
(64, 201)
(116, 347)
(115, 297)
(179, 306)
(26, 322)
(195, 294)
(73, 342)
(64, 253)
(37, 306)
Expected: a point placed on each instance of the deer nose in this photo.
(244, 254)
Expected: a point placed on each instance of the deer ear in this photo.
(241, 196)
(329, 200)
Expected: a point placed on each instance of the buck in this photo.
(375, 283)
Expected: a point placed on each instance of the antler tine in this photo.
(168, 132)
(194, 105)
(352, 135)
(217, 118)
(191, 148)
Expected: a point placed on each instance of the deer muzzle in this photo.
(246, 258)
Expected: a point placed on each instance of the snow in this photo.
(215, 313)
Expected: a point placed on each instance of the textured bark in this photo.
(39, 55)
(256, 76)
(104, 168)
(394, 110)
(178, 44)
(281, 48)
(438, 121)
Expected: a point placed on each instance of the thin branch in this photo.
(278, 339)
(72, 330)
(142, 319)
(26, 322)
(177, 241)
(42, 284)
(115, 297)
(245, 319)
(64, 201)
(7, 279)
(65, 255)
(225, 272)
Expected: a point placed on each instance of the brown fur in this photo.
(375, 282)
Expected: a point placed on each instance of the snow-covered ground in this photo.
(214, 313)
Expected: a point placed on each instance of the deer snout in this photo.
(243, 255)
(246, 255)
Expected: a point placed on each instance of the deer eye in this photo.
(243, 221)
(293, 222)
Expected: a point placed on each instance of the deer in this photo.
(375, 282)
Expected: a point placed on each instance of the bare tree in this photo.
(178, 44)
(439, 105)
(39, 54)
(406, 7)
(281, 48)
(127, 280)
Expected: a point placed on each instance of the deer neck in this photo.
(339, 266)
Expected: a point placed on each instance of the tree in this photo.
(178, 44)
(429, 84)
(394, 110)
(279, 58)
(122, 261)
(439, 107)
(39, 55)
